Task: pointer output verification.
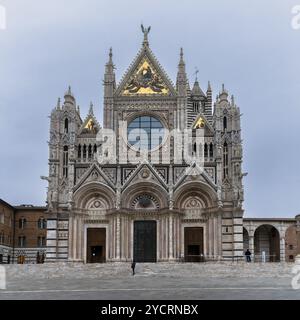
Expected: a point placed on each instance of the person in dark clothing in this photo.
(133, 267)
(38, 258)
(248, 255)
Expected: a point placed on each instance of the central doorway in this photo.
(96, 240)
(144, 241)
(193, 244)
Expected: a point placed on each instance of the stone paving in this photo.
(218, 280)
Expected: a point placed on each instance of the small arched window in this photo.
(196, 106)
(22, 241)
(79, 151)
(225, 123)
(66, 125)
(65, 161)
(205, 150)
(2, 237)
(225, 159)
(84, 151)
(211, 150)
(2, 214)
(194, 147)
(42, 223)
(90, 152)
(22, 223)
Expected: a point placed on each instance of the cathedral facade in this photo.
(160, 181)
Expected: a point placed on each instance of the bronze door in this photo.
(145, 241)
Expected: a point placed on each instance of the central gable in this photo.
(145, 77)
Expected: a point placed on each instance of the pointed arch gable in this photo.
(206, 195)
(148, 188)
(89, 190)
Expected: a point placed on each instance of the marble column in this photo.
(70, 256)
(282, 249)
(251, 246)
(74, 237)
(171, 256)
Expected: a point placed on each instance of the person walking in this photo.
(133, 267)
(248, 255)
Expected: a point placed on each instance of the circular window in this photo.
(145, 133)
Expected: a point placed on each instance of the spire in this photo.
(208, 104)
(181, 64)
(69, 98)
(208, 87)
(110, 65)
(181, 82)
(196, 91)
(232, 100)
(224, 94)
(145, 32)
(181, 61)
(78, 109)
(91, 111)
(110, 55)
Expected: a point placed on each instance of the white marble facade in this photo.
(87, 189)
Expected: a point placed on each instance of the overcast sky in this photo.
(248, 45)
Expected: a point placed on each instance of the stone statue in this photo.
(145, 32)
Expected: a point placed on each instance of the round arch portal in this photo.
(266, 244)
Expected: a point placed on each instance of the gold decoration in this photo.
(145, 81)
(90, 126)
(200, 123)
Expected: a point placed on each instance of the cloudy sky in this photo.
(248, 45)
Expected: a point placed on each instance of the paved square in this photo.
(186, 281)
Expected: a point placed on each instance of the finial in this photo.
(145, 32)
(196, 74)
(208, 86)
(232, 100)
(223, 87)
(69, 90)
(110, 54)
(91, 111)
(58, 104)
(181, 61)
(78, 109)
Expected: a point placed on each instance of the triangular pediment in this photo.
(145, 173)
(201, 122)
(194, 173)
(90, 125)
(145, 77)
(94, 174)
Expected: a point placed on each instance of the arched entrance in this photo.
(266, 244)
(88, 235)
